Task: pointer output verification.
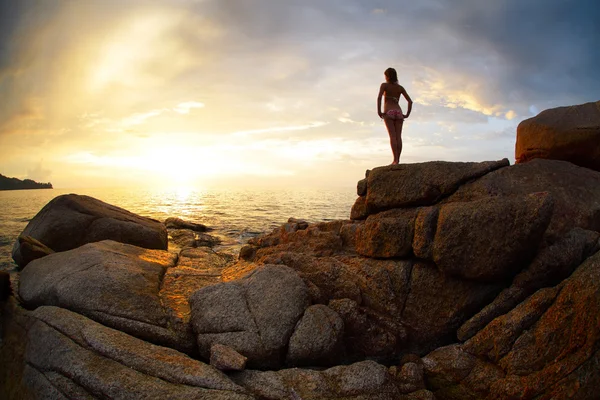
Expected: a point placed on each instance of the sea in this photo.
(236, 215)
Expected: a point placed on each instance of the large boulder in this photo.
(255, 316)
(405, 185)
(575, 192)
(71, 356)
(113, 283)
(70, 221)
(565, 133)
(490, 239)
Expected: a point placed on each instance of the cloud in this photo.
(38, 173)
(111, 77)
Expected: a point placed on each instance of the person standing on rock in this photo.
(392, 113)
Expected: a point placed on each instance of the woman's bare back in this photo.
(392, 93)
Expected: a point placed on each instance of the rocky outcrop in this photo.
(565, 133)
(70, 221)
(550, 267)
(545, 347)
(113, 283)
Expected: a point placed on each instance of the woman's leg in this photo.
(398, 123)
(389, 124)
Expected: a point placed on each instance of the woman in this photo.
(392, 113)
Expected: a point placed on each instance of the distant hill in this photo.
(7, 183)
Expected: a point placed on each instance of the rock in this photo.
(225, 358)
(70, 221)
(320, 239)
(437, 305)
(361, 187)
(79, 357)
(365, 380)
(490, 239)
(255, 316)
(178, 223)
(498, 337)
(195, 269)
(550, 266)
(387, 234)
(565, 133)
(359, 209)
(31, 249)
(575, 192)
(5, 290)
(411, 378)
(547, 347)
(421, 184)
(452, 373)
(182, 238)
(317, 338)
(421, 395)
(247, 252)
(113, 283)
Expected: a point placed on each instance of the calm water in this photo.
(235, 215)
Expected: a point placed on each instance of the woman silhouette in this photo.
(392, 113)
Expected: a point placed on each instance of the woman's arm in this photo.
(409, 100)
(381, 91)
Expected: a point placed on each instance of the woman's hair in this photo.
(391, 75)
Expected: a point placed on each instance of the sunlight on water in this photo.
(235, 214)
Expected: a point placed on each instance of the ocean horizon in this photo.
(236, 215)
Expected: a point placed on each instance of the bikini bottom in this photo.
(394, 114)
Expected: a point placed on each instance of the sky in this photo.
(276, 93)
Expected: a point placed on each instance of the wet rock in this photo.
(70, 221)
(225, 358)
(113, 283)
(247, 252)
(565, 133)
(574, 191)
(421, 184)
(178, 223)
(317, 338)
(550, 266)
(490, 239)
(76, 356)
(31, 249)
(255, 316)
